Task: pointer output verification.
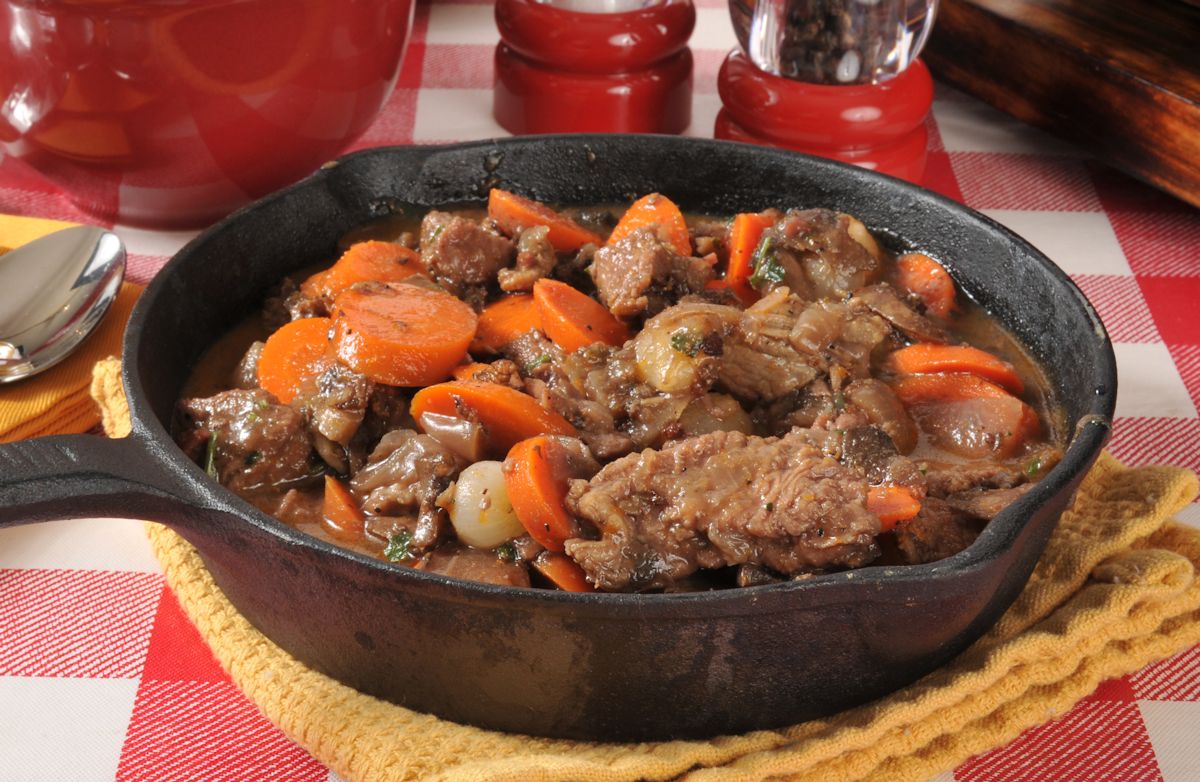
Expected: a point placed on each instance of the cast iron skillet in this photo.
(628, 667)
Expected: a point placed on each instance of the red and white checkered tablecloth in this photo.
(102, 678)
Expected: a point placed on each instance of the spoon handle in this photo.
(73, 476)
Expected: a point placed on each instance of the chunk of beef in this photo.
(839, 334)
(986, 504)
(813, 253)
(944, 478)
(256, 443)
(884, 300)
(405, 471)
(641, 275)
(335, 404)
(471, 564)
(722, 499)
(535, 259)
(460, 253)
(936, 532)
(289, 304)
(869, 451)
(710, 236)
(588, 388)
(502, 372)
(245, 374)
(876, 400)
(304, 506)
(759, 361)
(405, 475)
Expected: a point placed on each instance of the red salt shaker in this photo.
(594, 66)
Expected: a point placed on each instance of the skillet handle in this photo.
(73, 476)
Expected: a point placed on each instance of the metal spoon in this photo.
(53, 293)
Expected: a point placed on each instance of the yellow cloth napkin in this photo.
(57, 401)
(1115, 590)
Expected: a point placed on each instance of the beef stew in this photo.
(668, 403)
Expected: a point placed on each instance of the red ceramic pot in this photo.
(877, 126)
(173, 113)
(560, 70)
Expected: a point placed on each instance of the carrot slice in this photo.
(513, 212)
(744, 236)
(364, 262)
(401, 335)
(926, 389)
(507, 415)
(925, 358)
(343, 517)
(536, 472)
(467, 371)
(655, 210)
(297, 352)
(572, 319)
(562, 571)
(892, 504)
(503, 321)
(919, 274)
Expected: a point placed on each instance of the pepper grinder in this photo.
(835, 78)
(593, 66)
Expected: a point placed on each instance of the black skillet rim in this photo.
(998, 536)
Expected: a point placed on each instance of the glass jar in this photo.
(833, 41)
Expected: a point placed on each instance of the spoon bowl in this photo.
(54, 291)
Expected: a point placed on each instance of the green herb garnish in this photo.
(252, 418)
(839, 401)
(1034, 466)
(767, 268)
(770, 507)
(687, 342)
(506, 552)
(399, 547)
(210, 456)
(437, 231)
(540, 361)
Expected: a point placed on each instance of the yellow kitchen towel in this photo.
(1115, 590)
(57, 400)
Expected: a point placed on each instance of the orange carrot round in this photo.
(892, 504)
(536, 472)
(371, 261)
(744, 236)
(513, 213)
(562, 571)
(655, 211)
(504, 320)
(924, 358)
(297, 352)
(926, 389)
(401, 335)
(919, 274)
(572, 319)
(343, 517)
(507, 415)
